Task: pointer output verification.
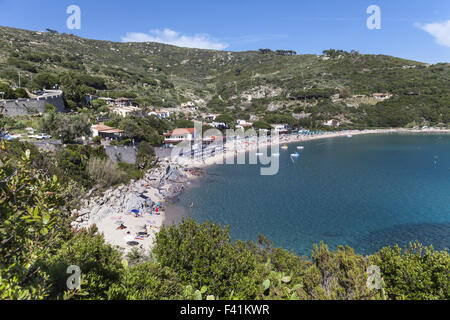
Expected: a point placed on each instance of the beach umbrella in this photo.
(135, 211)
(133, 243)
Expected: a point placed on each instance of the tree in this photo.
(31, 223)
(21, 93)
(225, 118)
(99, 262)
(45, 81)
(203, 255)
(8, 92)
(417, 272)
(258, 125)
(184, 124)
(147, 281)
(68, 128)
(145, 156)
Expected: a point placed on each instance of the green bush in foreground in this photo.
(415, 273)
(189, 261)
(99, 262)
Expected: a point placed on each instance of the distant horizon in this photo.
(223, 50)
(414, 30)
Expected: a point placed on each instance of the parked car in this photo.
(41, 136)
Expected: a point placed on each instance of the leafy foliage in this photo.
(30, 223)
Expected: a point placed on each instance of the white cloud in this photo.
(199, 41)
(440, 31)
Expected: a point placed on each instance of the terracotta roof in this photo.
(182, 131)
(105, 129)
(100, 127)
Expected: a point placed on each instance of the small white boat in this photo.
(295, 155)
(300, 147)
(285, 147)
(350, 136)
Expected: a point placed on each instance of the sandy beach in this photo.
(112, 212)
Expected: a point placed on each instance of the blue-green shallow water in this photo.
(366, 192)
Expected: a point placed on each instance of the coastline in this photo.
(233, 147)
(164, 183)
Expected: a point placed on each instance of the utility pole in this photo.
(19, 78)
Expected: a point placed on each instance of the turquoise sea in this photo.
(366, 192)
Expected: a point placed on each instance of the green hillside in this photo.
(307, 89)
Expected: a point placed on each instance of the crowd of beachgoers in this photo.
(221, 153)
(131, 215)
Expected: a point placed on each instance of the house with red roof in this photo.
(179, 135)
(100, 130)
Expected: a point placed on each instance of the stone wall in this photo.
(21, 107)
(47, 145)
(163, 153)
(122, 153)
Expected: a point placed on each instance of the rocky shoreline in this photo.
(114, 212)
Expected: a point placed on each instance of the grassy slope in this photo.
(204, 74)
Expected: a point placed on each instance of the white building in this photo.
(280, 128)
(125, 111)
(105, 131)
(332, 123)
(160, 114)
(179, 135)
(381, 96)
(220, 125)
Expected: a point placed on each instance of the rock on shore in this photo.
(157, 186)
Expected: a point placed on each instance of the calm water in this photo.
(366, 192)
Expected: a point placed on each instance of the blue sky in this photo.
(414, 29)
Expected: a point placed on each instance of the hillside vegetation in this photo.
(306, 88)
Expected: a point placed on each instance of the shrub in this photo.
(203, 255)
(31, 223)
(146, 281)
(104, 172)
(416, 272)
(99, 262)
(145, 156)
